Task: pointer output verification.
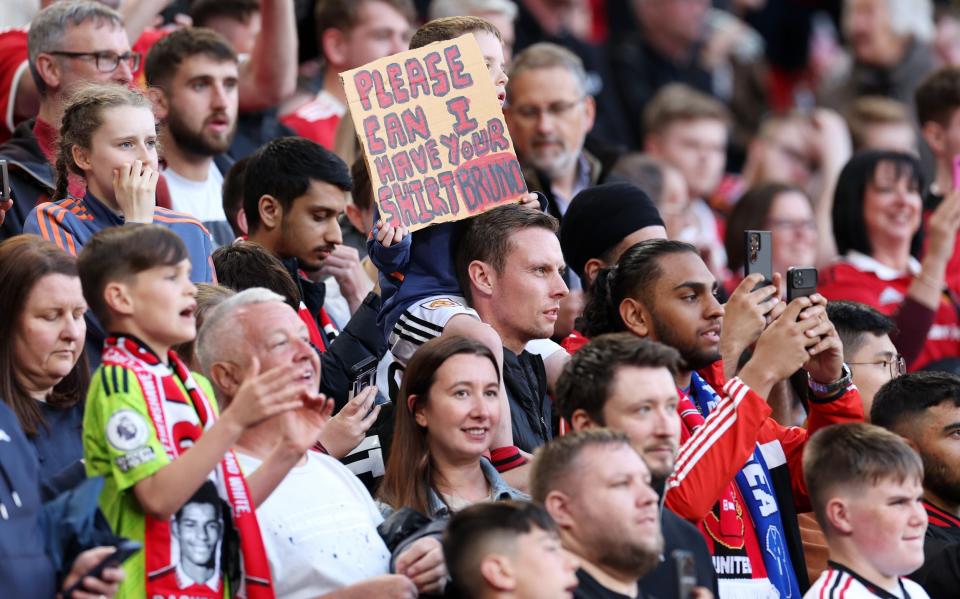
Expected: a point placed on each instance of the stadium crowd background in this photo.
(213, 347)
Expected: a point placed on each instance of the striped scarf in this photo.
(754, 484)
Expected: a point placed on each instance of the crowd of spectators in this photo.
(223, 374)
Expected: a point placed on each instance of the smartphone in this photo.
(801, 282)
(363, 374)
(4, 181)
(125, 550)
(758, 249)
(686, 566)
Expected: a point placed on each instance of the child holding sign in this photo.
(421, 295)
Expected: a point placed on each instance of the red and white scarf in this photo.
(179, 421)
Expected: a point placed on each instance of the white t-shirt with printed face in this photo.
(319, 527)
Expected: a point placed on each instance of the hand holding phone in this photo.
(348, 428)
(125, 549)
(686, 567)
(801, 282)
(362, 375)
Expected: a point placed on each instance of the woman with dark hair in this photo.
(877, 217)
(784, 210)
(444, 425)
(43, 372)
(43, 379)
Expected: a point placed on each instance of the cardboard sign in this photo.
(436, 144)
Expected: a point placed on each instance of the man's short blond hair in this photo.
(869, 111)
(556, 462)
(677, 102)
(545, 55)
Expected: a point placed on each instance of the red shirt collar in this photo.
(46, 135)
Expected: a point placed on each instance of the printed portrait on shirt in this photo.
(197, 532)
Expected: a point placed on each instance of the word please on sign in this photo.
(433, 134)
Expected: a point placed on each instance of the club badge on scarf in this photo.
(753, 482)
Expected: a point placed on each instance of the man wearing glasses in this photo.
(549, 114)
(70, 43)
(867, 348)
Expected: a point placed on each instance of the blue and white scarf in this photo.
(755, 487)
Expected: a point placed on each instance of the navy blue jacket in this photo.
(25, 569)
(525, 379)
(418, 267)
(31, 177)
(59, 448)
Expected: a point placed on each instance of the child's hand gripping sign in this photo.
(434, 137)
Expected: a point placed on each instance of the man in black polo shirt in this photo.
(627, 383)
(597, 489)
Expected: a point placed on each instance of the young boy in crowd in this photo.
(507, 550)
(689, 130)
(145, 409)
(422, 298)
(865, 488)
(421, 294)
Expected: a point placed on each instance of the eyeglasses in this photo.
(785, 224)
(554, 109)
(107, 62)
(896, 365)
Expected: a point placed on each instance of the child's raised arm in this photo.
(259, 397)
(389, 247)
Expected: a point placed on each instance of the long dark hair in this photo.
(634, 275)
(410, 474)
(849, 224)
(24, 260)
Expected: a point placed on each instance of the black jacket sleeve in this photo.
(940, 573)
(359, 340)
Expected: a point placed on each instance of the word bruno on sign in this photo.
(435, 142)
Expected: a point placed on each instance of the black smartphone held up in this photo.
(362, 375)
(4, 181)
(758, 251)
(801, 282)
(125, 550)
(686, 567)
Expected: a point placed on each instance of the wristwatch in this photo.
(827, 389)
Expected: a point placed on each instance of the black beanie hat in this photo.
(600, 217)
